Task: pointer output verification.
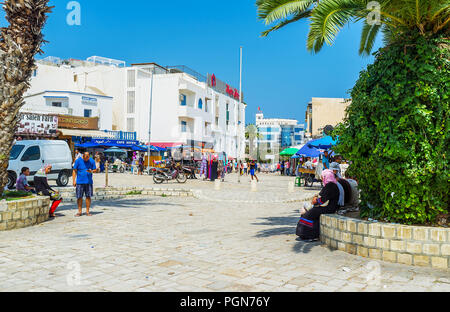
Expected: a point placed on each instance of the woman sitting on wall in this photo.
(43, 189)
(326, 202)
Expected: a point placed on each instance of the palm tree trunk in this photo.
(19, 43)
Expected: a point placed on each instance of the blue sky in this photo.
(279, 75)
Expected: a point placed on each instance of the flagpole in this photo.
(239, 114)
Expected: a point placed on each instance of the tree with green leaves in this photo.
(396, 131)
(327, 17)
(19, 43)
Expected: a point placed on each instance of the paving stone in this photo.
(235, 240)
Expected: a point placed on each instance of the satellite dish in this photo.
(328, 129)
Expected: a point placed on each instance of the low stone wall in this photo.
(106, 193)
(411, 245)
(23, 213)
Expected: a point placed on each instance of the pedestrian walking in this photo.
(83, 182)
(203, 166)
(141, 165)
(97, 161)
(253, 168)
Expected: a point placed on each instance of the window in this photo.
(57, 104)
(298, 137)
(183, 126)
(32, 153)
(130, 124)
(206, 105)
(15, 152)
(200, 104)
(35, 73)
(88, 113)
(217, 121)
(75, 78)
(131, 79)
(131, 102)
(182, 100)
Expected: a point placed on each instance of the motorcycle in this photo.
(117, 167)
(172, 172)
(190, 172)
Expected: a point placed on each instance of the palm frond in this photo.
(286, 22)
(368, 37)
(328, 18)
(275, 10)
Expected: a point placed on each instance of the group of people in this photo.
(336, 193)
(41, 186)
(212, 167)
(83, 168)
(249, 168)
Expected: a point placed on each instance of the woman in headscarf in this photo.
(43, 189)
(326, 202)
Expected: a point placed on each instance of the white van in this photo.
(36, 154)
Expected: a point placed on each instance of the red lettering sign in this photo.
(236, 94)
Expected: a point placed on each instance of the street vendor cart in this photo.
(309, 176)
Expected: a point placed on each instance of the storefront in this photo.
(79, 130)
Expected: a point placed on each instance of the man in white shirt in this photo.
(308, 164)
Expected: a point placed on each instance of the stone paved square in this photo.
(230, 239)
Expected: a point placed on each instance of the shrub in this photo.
(396, 132)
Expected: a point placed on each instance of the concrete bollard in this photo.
(254, 186)
(106, 174)
(217, 185)
(291, 187)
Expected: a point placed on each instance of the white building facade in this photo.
(186, 108)
(281, 133)
(73, 104)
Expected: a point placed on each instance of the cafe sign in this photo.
(75, 122)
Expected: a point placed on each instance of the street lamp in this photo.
(150, 122)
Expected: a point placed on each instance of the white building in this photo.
(187, 108)
(280, 133)
(71, 103)
(87, 77)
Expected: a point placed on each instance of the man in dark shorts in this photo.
(83, 182)
(253, 168)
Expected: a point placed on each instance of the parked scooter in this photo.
(171, 172)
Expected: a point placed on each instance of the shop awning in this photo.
(86, 133)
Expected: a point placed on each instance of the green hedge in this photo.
(397, 132)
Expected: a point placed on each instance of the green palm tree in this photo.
(20, 41)
(327, 17)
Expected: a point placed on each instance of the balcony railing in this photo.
(122, 135)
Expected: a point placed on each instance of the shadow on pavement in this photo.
(304, 247)
(289, 228)
(121, 203)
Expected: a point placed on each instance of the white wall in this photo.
(40, 104)
(167, 113)
(98, 79)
